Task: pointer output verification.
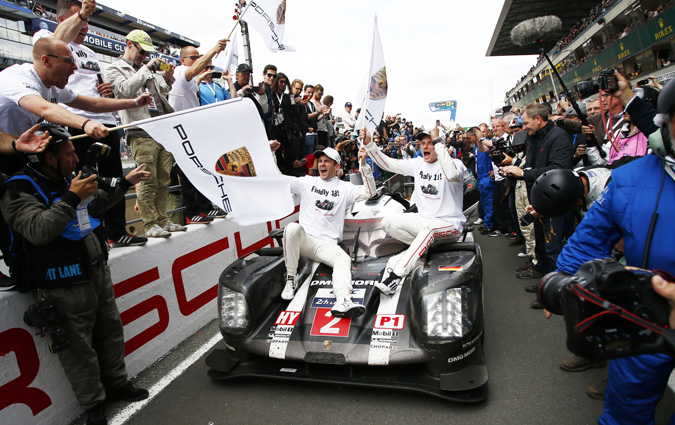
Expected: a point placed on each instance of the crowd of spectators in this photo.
(572, 61)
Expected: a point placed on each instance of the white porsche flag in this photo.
(372, 108)
(268, 17)
(230, 59)
(223, 150)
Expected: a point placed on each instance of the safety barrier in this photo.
(165, 291)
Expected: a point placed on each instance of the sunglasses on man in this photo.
(67, 59)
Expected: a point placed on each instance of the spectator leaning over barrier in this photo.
(31, 92)
(129, 77)
(72, 29)
(42, 208)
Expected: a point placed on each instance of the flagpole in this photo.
(119, 127)
(236, 24)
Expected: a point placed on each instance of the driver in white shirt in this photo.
(324, 202)
(438, 195)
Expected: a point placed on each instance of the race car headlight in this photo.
(234, 315)
(445, 315)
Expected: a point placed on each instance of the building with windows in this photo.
(632, 36)
(20, 19)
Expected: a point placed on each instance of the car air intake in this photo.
(325, 358)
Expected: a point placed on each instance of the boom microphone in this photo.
(535, 30)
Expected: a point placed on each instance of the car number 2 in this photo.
(325, 324)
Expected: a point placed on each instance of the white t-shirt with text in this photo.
(85, 80)
(19, 81)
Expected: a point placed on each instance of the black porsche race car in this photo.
(427, 337)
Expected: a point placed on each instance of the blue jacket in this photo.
(624, 210)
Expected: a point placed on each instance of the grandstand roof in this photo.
(516, 11)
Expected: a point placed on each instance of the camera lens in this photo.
(551, 289)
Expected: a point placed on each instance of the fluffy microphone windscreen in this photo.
(535, 29)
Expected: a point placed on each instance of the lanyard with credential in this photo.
(213, 90)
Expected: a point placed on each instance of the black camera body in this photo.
(605, 81)
(503, 147)
(89, 166)
(526, 219)
(609, 311)
(49, 313)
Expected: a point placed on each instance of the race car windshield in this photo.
(373, 242)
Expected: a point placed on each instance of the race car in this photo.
(427, 337)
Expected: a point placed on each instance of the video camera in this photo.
(609, 311)
(49, 313)
(503, 147)
(89, 166)
(605, 81)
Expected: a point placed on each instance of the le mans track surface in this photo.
(522, 351)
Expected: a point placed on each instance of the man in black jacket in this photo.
(549, 147)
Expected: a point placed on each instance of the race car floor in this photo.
(522, 349)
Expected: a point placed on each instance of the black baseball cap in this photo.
(243, 67)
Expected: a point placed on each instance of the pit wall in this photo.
(165, 290)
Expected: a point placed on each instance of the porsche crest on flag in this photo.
(374, 100)
(223, 150)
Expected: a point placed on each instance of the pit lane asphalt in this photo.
(522, 352)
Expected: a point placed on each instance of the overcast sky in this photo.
(434, 49)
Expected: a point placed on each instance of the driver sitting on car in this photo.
(439, 198)
(324, 202)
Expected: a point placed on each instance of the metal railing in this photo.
(134, 195)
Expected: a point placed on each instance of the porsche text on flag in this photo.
(268, 17)
(223, 150)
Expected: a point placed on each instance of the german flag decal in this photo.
(449, 268)
(236, 163)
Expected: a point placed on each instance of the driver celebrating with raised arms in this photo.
(439, 199)
(324, 202)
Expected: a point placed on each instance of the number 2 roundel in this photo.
(325, 324)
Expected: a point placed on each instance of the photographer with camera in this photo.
(58, 253)
(257, 94)
(632, 207)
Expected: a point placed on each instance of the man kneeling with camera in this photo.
(60, 253)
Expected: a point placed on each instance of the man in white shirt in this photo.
(324, 202)
(348, 118)
(438, 196)
(184, 92)
(30, 93)
(73, 16)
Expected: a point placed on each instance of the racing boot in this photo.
(289, 289)
(389, 284)
(346, 307)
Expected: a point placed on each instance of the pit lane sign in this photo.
(446, 105)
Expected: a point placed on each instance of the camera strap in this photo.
(610, 308)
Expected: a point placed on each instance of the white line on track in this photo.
(133, 408)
